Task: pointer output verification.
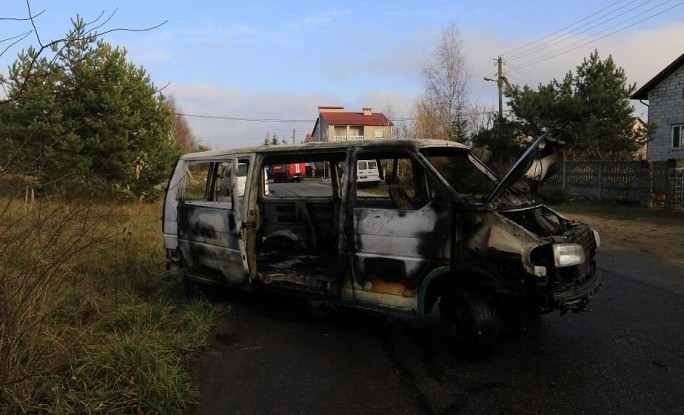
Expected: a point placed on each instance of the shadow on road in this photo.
(284, 355)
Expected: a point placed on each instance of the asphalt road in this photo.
(309, 187)
(271, 356)
(305, 188)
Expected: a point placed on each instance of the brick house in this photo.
(336, 124)
(665, 96)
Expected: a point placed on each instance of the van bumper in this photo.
(576, 297)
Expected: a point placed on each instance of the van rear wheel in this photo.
(468, 323)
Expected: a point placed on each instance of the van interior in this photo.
(297, 234)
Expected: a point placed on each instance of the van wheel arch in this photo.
(441, 281)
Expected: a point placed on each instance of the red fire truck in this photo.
(293, 172)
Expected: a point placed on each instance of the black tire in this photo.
(468, 323)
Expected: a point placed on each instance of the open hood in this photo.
(539, 162)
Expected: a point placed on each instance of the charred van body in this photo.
(440, 229)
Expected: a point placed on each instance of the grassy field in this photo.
(91, 323)
(632, 227)
(621, 211)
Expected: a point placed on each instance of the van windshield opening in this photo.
(466, 175)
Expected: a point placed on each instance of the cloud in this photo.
(645, 53)
(381, 100)
(205, 94)
(642, 54)
(297, 110)
(396, 80)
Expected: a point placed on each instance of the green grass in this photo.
(91, 321)
(620, 210)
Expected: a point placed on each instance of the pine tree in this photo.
(86, 121)
(593, 104)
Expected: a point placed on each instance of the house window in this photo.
(678, 136)
(379, 132)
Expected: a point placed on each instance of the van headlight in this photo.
(566, 255)
(597, 238)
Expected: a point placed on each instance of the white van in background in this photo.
(367, 173)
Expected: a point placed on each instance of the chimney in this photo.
(368, 111)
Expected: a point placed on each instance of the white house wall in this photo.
(666, 107)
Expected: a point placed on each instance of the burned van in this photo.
(441, 230)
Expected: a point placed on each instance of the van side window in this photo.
(303, 175)
(209, 181)
(402, 183)
(197, 177)
(222, 188)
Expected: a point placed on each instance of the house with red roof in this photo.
(336, 124)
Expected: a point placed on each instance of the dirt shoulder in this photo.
(662, 240)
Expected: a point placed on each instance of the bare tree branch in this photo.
(91, 32)
(33, 22)
(15, 37)
(100, 16)
(20, 19)
(19, 39)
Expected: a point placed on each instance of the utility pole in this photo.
(500, 81)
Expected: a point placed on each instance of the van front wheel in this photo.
(468, 323)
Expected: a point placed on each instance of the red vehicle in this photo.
(292, 172)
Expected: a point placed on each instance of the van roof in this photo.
(323, 145)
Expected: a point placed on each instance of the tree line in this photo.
(81, 120)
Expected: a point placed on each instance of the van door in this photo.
(402, 230)
(245, 212)
(209, 231)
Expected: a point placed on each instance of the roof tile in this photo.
(356, 118)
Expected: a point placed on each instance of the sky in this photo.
(281, 60)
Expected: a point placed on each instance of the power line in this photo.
(217, 117)
(569, 36)
(268, 120)
(547, 57)
(562, 29)
(520, 72)
(522, 77)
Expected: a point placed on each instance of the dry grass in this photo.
(88, 324)
(632, 227)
